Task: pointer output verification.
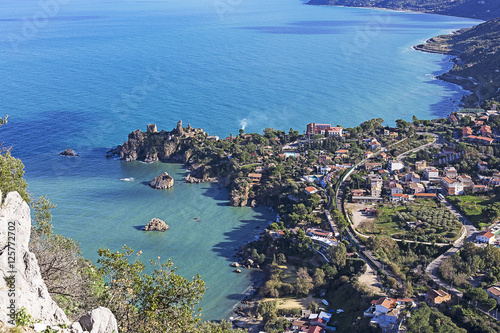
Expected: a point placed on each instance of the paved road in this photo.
(437, 139)
(432, 268)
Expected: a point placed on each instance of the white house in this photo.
(431, 173)
(395, 165)
(397, 189)
(494, 292)
(485, 236)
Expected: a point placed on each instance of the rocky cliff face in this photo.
(149, 147)
(21, 284)
(240, 193)
(25, 286)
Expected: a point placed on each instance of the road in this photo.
(432, 268)
(437, 138)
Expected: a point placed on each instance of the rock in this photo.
(100, 320)
(253, 203)
(156, 225)
(30, 289)
(162, 182)
(235, 264)
(238, 271)
(180, 131)
(39, 327)
(68, 152)
(77, 326)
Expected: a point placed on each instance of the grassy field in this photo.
(387, 222)
(475, 207)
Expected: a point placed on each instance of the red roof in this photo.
(311, 189)
(487, 234)
(425, 195)
(314, 329)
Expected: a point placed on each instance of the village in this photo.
(425, 176)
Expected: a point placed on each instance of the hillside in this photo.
(478, 9)
(477, 62)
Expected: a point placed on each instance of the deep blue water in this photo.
(85, 73)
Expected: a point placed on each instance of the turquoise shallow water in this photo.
(89, 72)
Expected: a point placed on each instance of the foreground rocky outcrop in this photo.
(156, 225)
(21, 283)
(162, 182)
(19, 266)
(98, 321)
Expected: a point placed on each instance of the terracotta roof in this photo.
(494, 291)
(425, 195)
(310, 189)
(385, 302)
(486, 233)
(448, 180)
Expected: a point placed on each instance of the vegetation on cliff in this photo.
(477, 62)
(465, 8)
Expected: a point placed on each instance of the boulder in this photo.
(235, 264)
(68, 152)
(29, 289)
(162, 182)
(100, 320)
(156, 225)
(238, 271)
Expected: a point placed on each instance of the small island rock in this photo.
(156, 225)
(162, 182)
(68, 152)
(235, 264)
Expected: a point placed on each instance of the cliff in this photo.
(477, 56)
(484, 10)
(152, 146)
(21, 283)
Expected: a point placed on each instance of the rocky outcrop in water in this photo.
(68, 152)
(239, 194)
(152, 146)
(156, 225)
(162, 182)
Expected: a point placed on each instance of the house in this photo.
(322, 159)
(413, 177)
(367, 199)
(356, 192)
(255, 177)
(395, 165)
(311, 190)
(397, 189)
(450, 172)
(341, 152)
(398, 197)
(451, 186)
(482, 166)
(380, 306)
(479, 188)
(431, 173)
(494, 292)
(374, 144)
(466, 181)
(417, 188)
(486, 131)
(313, 128)
(480, 139)
(466, 132)
(373, 166)
(420, 165)
(485, 236)
(438, 296)
(425, 195)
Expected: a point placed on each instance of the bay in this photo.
(83, 74)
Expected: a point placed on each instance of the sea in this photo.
(82, 74)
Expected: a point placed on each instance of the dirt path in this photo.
(302, 303)
(359, 218)
(369, 278)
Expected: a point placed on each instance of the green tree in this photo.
(72, 281)
(304, 282)
(337, 255)
(268, 310)
(11, 176)
(162, 301)
(224, 326)
(319, 277)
